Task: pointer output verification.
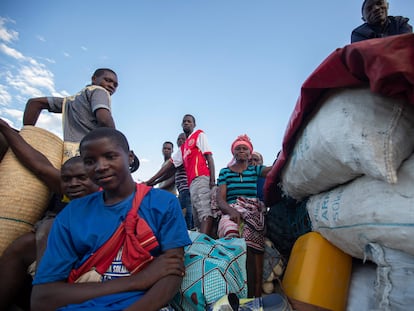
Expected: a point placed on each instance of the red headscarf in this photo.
(242, 140)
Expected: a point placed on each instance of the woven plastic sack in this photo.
(361, 288)
(394, 286)
(367, 210)
(354, 132)
(214, 268)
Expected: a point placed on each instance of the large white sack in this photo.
(394, 285)
(385, 282)
(361, 294)
(367, 210)
(354, 132)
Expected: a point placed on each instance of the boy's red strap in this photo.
(134, 234)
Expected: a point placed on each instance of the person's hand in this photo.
(235, 216)
(162, 266)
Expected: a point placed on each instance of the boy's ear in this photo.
(131, 157)
(134, 165)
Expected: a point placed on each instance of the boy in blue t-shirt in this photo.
(87, 223)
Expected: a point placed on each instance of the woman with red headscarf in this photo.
(242, 212)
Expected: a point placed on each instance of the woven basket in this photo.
(23, 197)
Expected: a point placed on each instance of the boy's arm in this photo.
(32, 159)
(104, 118)
(168, 286)
(51, 296)
(100, 103)
(34, 107)
(169, 182)
(266, 171)
(166, 270)
(211, 167)
(164, 173)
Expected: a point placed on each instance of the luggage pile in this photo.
(348, 155)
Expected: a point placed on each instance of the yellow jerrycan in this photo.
(317, 275)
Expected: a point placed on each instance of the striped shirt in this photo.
(181, 181)
(242, 184)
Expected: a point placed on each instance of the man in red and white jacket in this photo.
(197, 158)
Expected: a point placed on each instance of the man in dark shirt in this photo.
(377, 22)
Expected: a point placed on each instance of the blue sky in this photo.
(236, 65)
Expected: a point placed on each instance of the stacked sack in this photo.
(353, 163)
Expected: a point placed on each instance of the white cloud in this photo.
(84, 48)
(51, 122)
(5, 97)
(48, 121)
(19, 98)
(6, 34)
(41, 38)
(26, 90)
(11, 52)
(22, 78)
(38, 76)
(14, 114)
(30, 78)
(66, 54)
(62, 93)
(49, 60)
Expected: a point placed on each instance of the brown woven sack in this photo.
(23, 197)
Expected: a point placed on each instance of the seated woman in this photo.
(242, 212)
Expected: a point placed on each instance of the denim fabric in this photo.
(185, 201)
